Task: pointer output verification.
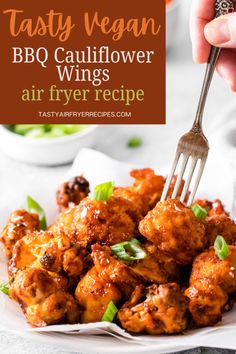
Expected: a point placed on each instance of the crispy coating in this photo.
(209, 265)
(218, 222)
(19, 224)
(39, 249)
(93, 294)
(95, 221)
(45, 250)
(155, 310)
(206, 302)
(75, 261)
(211, 281)
(156, 267)
(148, 185)
(42, 298)
(220, 225)
(72, 192)
(128, 193)
(113, 270)
(175, 230)
(146, 190)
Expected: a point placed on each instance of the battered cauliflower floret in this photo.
(19, 224)
(218, 222)
(148, 185)
(43, 299)
(72, 192)
(156, 267)
(95, 221)
(129, 194)
(93, 294)
(45, 250)
(220, 225)
(206, 302)
(175, 230)
(39, 249)
(146, 190)
(113, 270)
(155, 310)
(211, 281)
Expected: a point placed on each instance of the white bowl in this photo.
(172, 18)
(46, 151)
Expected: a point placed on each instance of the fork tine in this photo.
(188, 180)
(180, 176)
(192, 195)
(170, 176)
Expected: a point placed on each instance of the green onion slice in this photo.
(221, 247)
(135, 142)
(47, 130)
(34, 207)
(4, 288)
(103, 191)
(129, 250)
(199, 212)
(110, 312)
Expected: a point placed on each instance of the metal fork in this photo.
(194, 144)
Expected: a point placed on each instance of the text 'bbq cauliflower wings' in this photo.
(155, 310)
(211, 281)
(175, 230)
(72, 192)
(19, 224)
(43, 299)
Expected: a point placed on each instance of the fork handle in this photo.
(222, 7)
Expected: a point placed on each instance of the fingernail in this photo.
(217, 32)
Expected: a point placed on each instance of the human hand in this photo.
(220, 32)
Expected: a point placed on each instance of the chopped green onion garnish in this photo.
(46, 130)
(110, 312)
(221, 247)
(23, 129)
(134, 142)
(103, 191)
(129, 250)
(34, 207)
(4, 288)
(199, 212)
(36, 132)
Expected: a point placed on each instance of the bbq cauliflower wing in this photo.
(212, 281)
(155, 310)
(19, 224)
(175, 230)
(43, 298)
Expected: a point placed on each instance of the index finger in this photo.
(202, 12)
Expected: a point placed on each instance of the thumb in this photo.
(221, 32)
